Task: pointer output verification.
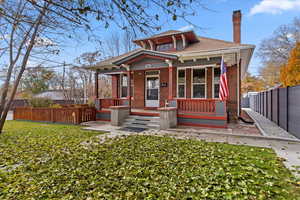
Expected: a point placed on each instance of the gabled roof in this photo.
(167, 34)
(205, 44)
(210, 44)
(145, 52)
(170, 32)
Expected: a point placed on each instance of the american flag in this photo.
(223, 91)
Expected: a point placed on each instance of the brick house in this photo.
(178, 69)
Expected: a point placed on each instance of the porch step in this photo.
(146, 122)
(143, 118)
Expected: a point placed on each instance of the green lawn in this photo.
(47, 162)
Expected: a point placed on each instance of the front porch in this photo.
(146, 82)
(189, 112)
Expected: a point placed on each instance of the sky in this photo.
(260, 19)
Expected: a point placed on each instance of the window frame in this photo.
(168, 43)
(192, 82)
(213, 82)
(121, 85)
(185, 78)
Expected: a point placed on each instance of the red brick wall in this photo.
(209, 82)
(232, 85)
(174, 82)
(188, 85)
(115, 86)
(164, 91)
(139, 89)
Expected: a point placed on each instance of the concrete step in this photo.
(147, 118)
(141, 122)
(137, 121)
(141, 125)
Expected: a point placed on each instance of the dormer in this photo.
(168, 41)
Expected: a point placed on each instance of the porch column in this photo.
(171, 84)
(128, 85)
(96, 84)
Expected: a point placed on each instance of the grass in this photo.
(45, 161)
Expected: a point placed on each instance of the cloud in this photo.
(187, 28)
(275, 6)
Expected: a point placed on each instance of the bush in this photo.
(40, 102)
(55, 106)
(91, 102)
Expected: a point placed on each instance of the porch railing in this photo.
(197, 105)
(108, 102)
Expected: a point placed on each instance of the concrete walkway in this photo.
(288, 149)
(267, 127)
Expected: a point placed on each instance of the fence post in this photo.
(271, 105)
(278, 107)
(287, 108)
(31, 113)
(263, 103)
(267, 104)
(52, 115)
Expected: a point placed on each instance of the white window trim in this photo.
(132, 85)
(177, 89)
(213, 83)
(145, 89)
(121, 84)
(192, 83)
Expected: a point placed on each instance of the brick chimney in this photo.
(237, 19)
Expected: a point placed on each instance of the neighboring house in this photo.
(178, 68)
(51, 94)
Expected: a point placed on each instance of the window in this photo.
(181, 83)
(124, 83)
(199, 83)
(164, 47)
(216, 82)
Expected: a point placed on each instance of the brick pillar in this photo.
(171, 83)
(188, 84)
(236, 19)
(171, 79)
(115, 86)
(209, 83)
(129, 87)
(96, 84)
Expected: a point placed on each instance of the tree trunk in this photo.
(23, 66)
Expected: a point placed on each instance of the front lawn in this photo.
(45, 161)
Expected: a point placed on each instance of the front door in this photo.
(152, 91)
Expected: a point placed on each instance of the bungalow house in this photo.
(176, 69)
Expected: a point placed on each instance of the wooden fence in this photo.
(68, 115)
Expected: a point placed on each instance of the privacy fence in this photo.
(24, 103)
(66, 115)
(281, 105)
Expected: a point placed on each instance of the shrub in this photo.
(40, 102)
(91, 102)
(55, 106)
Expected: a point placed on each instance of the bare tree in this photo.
(275, 52)
(86, 76)
(276, 49)
(31, 28)
(127, 43)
